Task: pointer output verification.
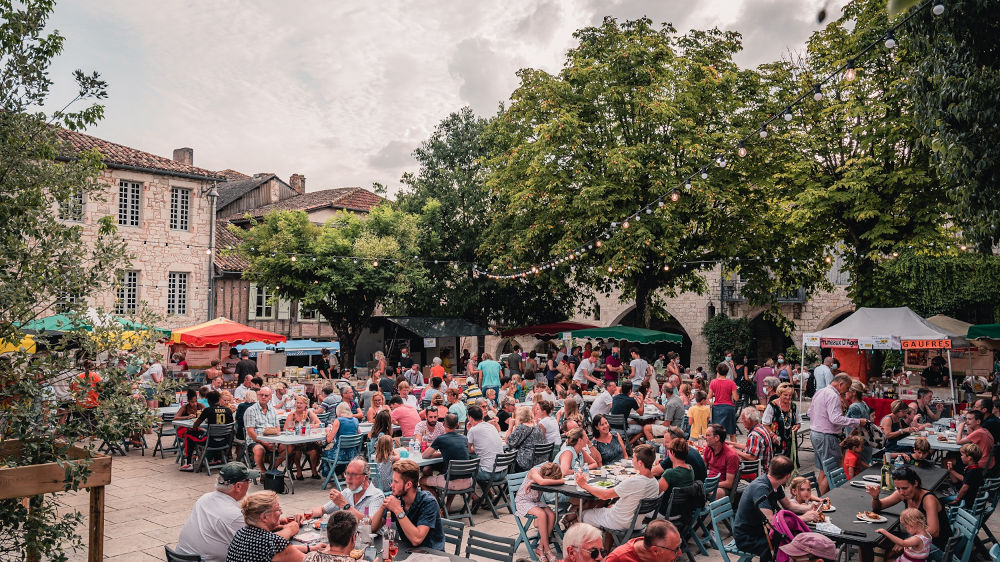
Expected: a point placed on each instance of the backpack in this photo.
(810, 385)
(785, 526)
(680, 504)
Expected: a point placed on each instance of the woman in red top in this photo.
(725, 394)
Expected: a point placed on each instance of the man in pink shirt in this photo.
(828, 422)
(404, 415)
(720, 459)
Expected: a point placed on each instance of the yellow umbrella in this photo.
(27, 345)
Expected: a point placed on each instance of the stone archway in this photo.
(836, 316)
(673, 325)
(768, 339)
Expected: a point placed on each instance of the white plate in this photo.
(880, 519)
(859, 483)
(829, 509)
(872, 478)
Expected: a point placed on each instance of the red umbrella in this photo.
(222, 330)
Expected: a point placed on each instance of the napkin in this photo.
(828, 527)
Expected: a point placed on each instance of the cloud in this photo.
(343, 91)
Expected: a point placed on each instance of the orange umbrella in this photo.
(222, 330)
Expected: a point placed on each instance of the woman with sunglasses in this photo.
(267, 535)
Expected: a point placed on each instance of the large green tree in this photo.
(590, 163)
(455, 211)
(47, 265)
(855, 169)
(954, 84)
(346, 269)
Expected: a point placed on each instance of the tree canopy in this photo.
(346, 269)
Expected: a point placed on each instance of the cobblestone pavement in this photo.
(148, 502)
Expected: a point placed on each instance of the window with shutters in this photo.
(127, 293)
(72, 209)
(262, 305)
(307, 314)
(129, 199)
(180, 208)
(177, 288)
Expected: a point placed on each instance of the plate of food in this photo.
(872, 478)
(871, 517)
(829, 508)
(604, 484)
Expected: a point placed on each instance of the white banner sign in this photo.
(810, 340)
(430, 342)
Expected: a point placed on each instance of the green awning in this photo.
(64, 323)
(627, 333)
(989, 331)
(436, 327)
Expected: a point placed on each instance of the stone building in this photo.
(164, 217)
(689, 312)
(248, 197)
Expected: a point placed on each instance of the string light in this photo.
(687, 185)
(375, 263)
(890, 40)
(850, 74)
(788, 114)
(938, 9)
(763, 131)
(818, 94)
(675, 196)
(742, 150)
(293, 258)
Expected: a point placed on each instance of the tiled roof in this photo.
(233, 190)
(349, 198)
(116, 155)
(232, 175)
(226, 258)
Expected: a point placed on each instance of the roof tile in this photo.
(349, 198)
(120, 155)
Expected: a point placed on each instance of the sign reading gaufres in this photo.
(927, 344)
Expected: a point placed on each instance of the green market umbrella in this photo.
(58, 323)
(627, 333)
(985, 335)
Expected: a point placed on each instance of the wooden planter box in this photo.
(48, 478)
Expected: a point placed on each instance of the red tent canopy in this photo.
(221, 330)
(546, 329)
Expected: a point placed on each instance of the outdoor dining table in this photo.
(290, 440)
(172, 410)
(936, 444)
(849, 500)
(405, 551)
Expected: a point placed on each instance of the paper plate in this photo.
(872, 478)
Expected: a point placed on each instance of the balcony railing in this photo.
(733, 292)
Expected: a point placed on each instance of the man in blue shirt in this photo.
(450, 446)
(416, 512)
(488, 372)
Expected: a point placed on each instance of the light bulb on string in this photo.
(660, 203)
(938, 9)
(704, 174)
(625, 224)
(675, 196)
(722, 162)
(850, 73)
(666, 268)
(687, 185)
(788, 114)
(818, 94)
(599, 243)
(890, 40)
(763, 131)
(293, 258)
(375, 263)
(649, 211)
(741, 150)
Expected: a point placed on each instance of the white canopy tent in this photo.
(883, 328)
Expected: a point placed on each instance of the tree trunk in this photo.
(643, 303)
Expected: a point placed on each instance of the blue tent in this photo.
(306, 347)
(254, 347)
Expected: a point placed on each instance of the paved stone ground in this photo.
(148, 502)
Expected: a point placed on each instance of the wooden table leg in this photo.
(96, 524)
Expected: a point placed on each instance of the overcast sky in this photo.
(343, 91)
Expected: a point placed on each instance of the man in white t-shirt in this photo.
(639, 366)
(585, 372)
(823, 374)
(148, 381)
(602, 404)
(484, 441)
(629, 493)
(217, 516)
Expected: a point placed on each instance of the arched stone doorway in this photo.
(768, 340)
(652, 350)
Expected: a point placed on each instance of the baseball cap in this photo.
(234, 472)
(811, 544)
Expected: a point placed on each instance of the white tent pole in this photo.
(802, 368)
(951, 383)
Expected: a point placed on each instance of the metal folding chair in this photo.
(346, 443)
(453, 532)
(721, 511)
(481, 545)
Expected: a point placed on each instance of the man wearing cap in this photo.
(362, 498)
(217, 516)
(810, 547)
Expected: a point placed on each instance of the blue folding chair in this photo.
(837, 478)
(698, 519)
(348, 444)
(721, 511)
(514, 482)
(966, 526)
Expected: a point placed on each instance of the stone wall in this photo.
(691, 311)
(157, 249)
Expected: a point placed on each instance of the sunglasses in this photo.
(596, 553)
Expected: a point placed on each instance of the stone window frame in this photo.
(180, 208)
(73, 209)
(177, 293)
(127, 293)
(129, 203)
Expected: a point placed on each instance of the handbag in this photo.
(274, 480)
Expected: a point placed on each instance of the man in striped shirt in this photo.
(760, 440)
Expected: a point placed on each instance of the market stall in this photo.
(627, 333)
(882, 328)
(211, 340)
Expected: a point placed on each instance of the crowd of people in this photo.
(522, 402)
